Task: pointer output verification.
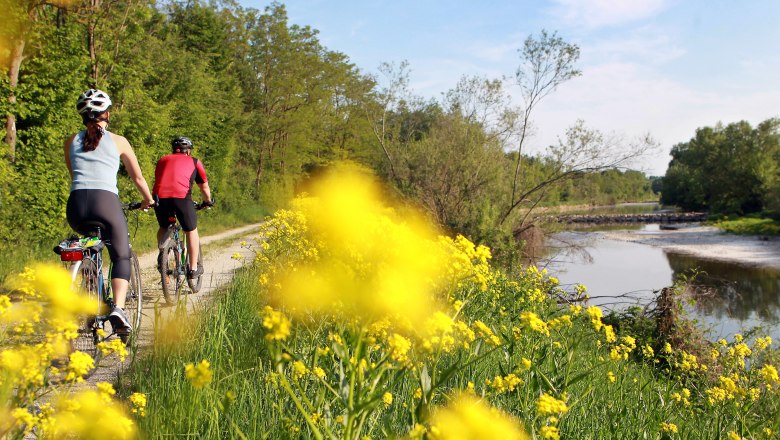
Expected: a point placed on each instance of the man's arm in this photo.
(205, 191)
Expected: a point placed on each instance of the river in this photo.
(732, 298)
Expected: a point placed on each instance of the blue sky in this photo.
(664, 67)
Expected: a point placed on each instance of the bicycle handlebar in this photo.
(132, 206)
(203, 205)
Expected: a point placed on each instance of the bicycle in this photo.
(173, 260)
(86, 257)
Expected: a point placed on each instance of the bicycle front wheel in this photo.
(134, 299)
(87, 339)
(196, 282)
(170, 272)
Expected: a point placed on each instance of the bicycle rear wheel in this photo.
(170, 272)
(195, 283)
(134, 299)
(87, 338)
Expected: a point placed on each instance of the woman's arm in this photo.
(68, 142)
(133, 169)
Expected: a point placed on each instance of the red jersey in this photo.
(175, 174)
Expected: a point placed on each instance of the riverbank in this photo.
(708, 242)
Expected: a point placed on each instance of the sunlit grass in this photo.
(750, 226)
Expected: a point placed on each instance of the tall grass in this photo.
(246, 400)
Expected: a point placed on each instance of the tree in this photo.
(583, 150)
(19, 21)
(546, 63)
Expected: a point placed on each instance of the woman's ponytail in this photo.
(93, 135)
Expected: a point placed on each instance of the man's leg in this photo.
(193, 245)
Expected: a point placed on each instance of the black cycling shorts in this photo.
(86, 206)
(182, 209)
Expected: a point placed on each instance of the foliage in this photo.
(728, 169)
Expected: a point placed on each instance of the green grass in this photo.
(750, 226)
(229, 336)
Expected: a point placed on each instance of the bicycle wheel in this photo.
(87, 338)
(170, 273)
(195, 283)
(133, 302)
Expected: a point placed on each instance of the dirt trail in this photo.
(219, 266)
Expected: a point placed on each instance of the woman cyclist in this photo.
(93, 157)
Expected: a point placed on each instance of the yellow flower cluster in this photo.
(595, 314)
(400, 347)
(504, 384)
(467, 417)
(138, 402)
(549, 405)
(532, 321)
(669, 427)
(113, 346)
(682, 397)
(485, 332)
(469, 262)
(276, 324)
(198, 375)
(728, 389)
(623, 349)
(387, 399)
(343, 246)
(36, 330)
(550, 432)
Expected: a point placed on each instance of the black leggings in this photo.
(87, 206)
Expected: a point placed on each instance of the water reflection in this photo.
(732, 298)
(733, 291)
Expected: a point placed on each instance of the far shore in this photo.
(708, 242)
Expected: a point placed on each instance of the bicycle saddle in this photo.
(91, 228)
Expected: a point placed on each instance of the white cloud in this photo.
(628, 98)
(600, 13)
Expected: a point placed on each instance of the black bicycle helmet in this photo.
(181, 143)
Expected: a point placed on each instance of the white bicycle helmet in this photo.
(93, 102)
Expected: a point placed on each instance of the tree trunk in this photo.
(17, 55)
(91, 43)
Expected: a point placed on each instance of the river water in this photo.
(731, 298)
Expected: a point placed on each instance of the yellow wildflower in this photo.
(199, 375)
(550, 432)
(549, 405)
(467, 417)
(277, 325)
(79, 365)
(669, 427)
(138, 401)
(387, 399)
(299, 369)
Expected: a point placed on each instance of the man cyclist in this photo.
(173, 179)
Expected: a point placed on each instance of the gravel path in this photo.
(219, 266)
(708, 242)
